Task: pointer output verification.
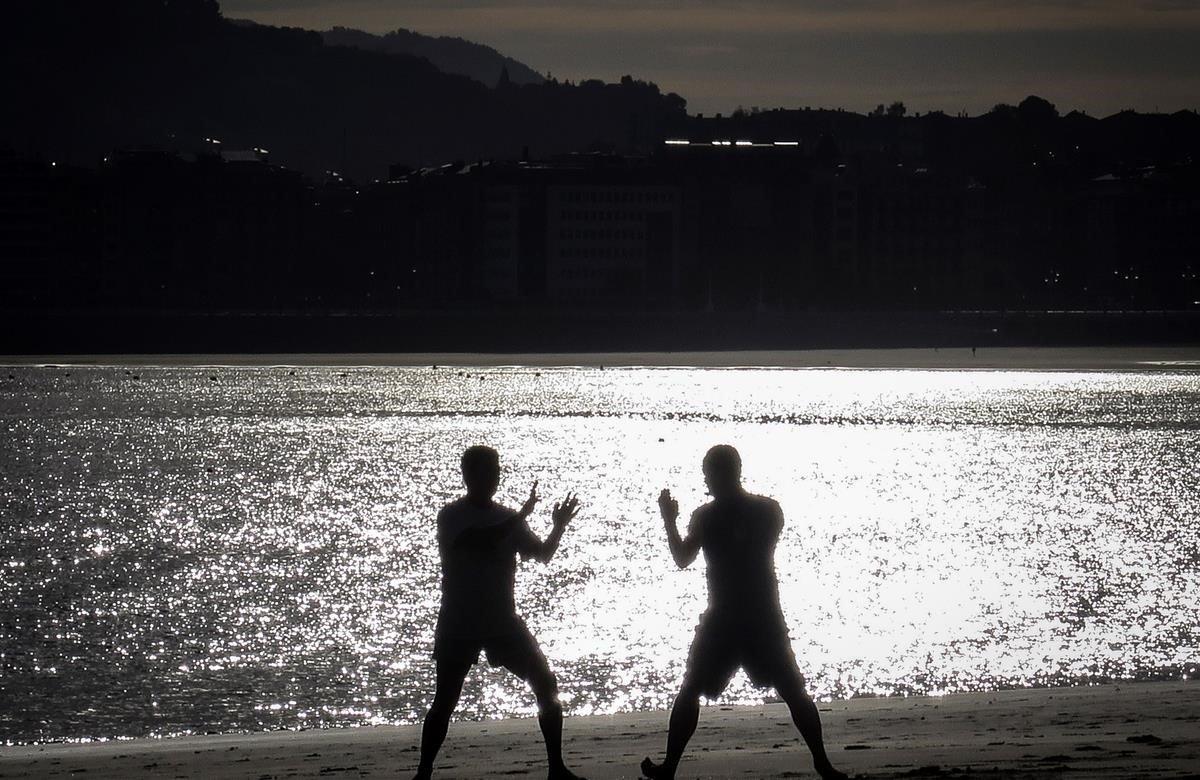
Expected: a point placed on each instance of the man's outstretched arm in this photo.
(684, 551)
(564, 513)
(494, 534)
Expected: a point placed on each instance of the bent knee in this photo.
(545, 685)
(442, 709)
(689, 693)
(548, 703)
(550, 707)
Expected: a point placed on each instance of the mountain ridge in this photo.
(450, 54)
(85, 78)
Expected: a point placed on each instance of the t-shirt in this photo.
(738, 536)
(478, 569)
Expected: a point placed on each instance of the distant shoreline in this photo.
(484, 331)
(1180, 358)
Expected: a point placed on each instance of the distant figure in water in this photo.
(479, 541)
(744, 623)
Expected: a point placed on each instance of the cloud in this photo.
(764, 16)
(702, 49)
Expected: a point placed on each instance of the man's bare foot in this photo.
(562, 773)
(827, 772)
(656, 771)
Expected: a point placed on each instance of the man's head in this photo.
(481, 471)
(723, 471)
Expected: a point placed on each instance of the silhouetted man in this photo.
(744, 624)
(479, 542)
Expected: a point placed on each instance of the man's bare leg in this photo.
(685, 714)
(437, 721)
(550, 720)
(808, 722)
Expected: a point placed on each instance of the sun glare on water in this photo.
(258, 552)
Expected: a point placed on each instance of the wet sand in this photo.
(1025, 358)
(1135, 730)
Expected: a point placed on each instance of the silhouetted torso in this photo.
(738, 536)
(478, 574)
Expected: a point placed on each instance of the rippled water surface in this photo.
(197, 549)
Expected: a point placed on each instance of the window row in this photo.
(601, 252)
(602, 235)
(602, 216)
(618, 196)
(574, 274)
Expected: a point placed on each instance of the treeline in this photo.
(450, 55)
(85, 77)
(1005, 146)
(82, 78)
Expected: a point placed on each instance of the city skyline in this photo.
(396, 185)
(1098, 57)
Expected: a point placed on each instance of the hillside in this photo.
(450, 55)
(84, 78)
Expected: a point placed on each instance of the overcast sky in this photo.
(1095, 55)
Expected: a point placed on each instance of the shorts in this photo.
(722, 644)
(513, 647)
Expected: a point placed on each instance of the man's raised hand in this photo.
(565, 511)
(531, 502)
(668, 506)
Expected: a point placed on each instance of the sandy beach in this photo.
(1000, 358)
(1133, 730)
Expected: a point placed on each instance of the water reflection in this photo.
(181, 554)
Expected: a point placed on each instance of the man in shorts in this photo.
(744, 625)
(479, 542)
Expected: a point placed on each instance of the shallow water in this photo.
(224, 549)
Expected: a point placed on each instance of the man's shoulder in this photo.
(764, 509)
(464, 508)
(766, 503)
(456, 507)
(748, 502)
(702, 512)
(772, 509)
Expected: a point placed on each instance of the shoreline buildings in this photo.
(725, 224)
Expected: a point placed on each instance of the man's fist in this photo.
(668, 506)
